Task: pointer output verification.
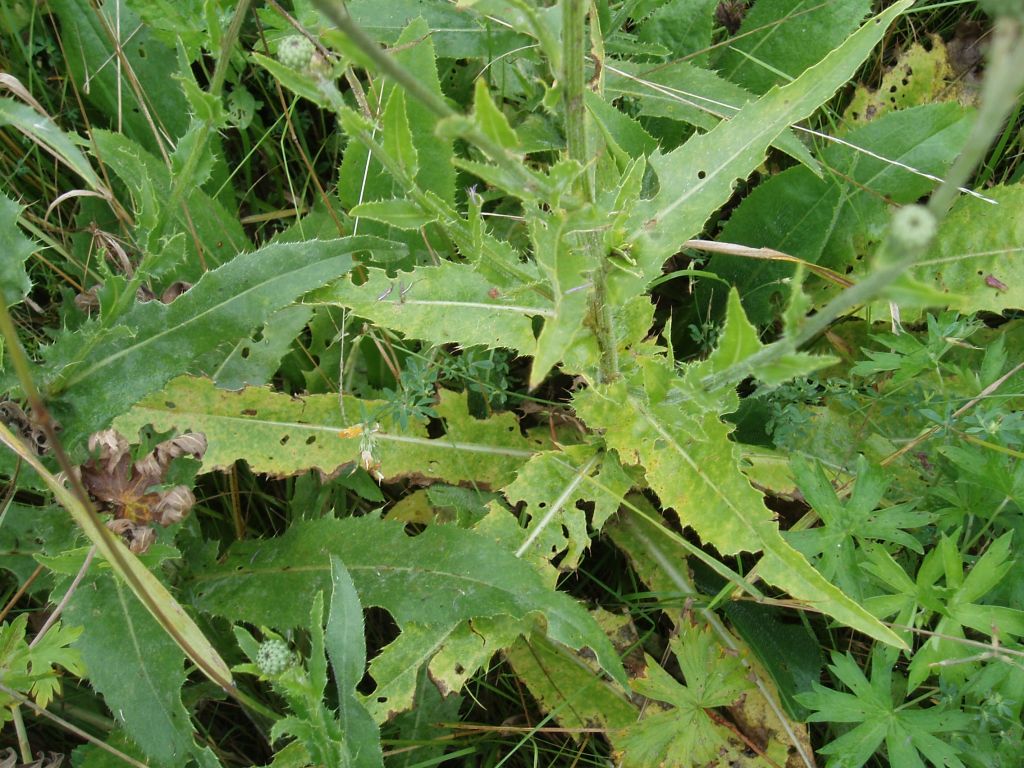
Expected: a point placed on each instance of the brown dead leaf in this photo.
(122, 486)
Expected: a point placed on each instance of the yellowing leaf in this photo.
(281, 435)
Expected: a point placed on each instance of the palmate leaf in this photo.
(281, 435)
(104, 375)
(442, 304)
(685, 734)
(431, 584)
(697, 178)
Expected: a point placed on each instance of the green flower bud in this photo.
(295, 52)
(913, 227)
(274, 657)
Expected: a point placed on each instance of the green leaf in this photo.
(227, 303)
(833, 220)
(137, 669)
(442, 304)
(201, 218)
(399, 213)
(398, 138)
(694, 468)
(43, 131)
(562, 258)
(17, 248)
(698, 177)
(87, 37)
(682, 26)
(298, 82)
(360, 182)
(976, 257)
(430, 584)
(490, 119)
(685, 734)
(574, 695)
(877, 708)
(254, 362)
(346, 646)
(553, 484)
(686, 93)
(282, 435)
(169, 614)
(779, 39)
(455, 34)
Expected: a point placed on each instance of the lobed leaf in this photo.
(159, 341)
(282, 435)
(442, 304)
(429, 583)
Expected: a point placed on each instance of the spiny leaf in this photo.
(443, 304)
(832, 221)
(17, 248)
(398, 213)
(694, 468)
(219, 234)
(227, 303)
(429, 583)
(491, 119)
(282, 435)
(137, 668)
(685, 92)
(779, 39)
(563, 261)
(398, 138)
(697, 178)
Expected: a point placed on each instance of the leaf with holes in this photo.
(158, 341)
(976, 258)
(281, 435)
(833, 221)
(430, 584)
(442, 304)
(697, 178)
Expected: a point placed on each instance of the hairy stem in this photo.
(339, 15)
(574, 32)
